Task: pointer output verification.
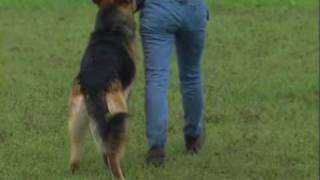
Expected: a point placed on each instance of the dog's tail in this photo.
(97, 108)
(101, 107)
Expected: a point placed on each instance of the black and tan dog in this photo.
(99, 96)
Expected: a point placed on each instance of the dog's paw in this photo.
(74, 166)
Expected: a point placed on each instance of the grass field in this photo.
(261, 75)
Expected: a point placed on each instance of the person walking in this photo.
(163, 24)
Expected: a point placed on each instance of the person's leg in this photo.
(157, 60)
(189, 48)
(190, 42)
(157, 40)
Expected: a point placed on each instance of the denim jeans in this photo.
(165, 23)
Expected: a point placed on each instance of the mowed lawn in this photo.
(261, 75)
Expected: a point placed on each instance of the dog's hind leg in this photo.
(116, 143)
(78, 125)
(117, 105)
(112, 147)
(114, 163)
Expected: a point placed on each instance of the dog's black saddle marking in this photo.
(106, 58)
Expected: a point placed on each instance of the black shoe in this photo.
(155, 156)
(194, 143)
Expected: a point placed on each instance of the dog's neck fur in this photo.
(111, 20)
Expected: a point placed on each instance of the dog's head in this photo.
(115, 15)
(127, 5)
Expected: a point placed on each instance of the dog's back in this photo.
(107, 58)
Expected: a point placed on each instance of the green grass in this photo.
(261, 86)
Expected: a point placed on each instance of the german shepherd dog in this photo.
(98, 100)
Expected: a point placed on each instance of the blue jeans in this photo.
(165, 23)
